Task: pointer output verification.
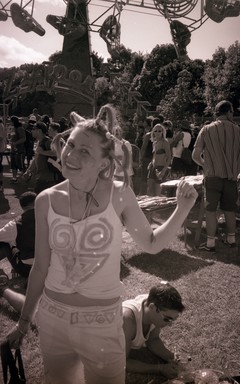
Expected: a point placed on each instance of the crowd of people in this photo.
(154, 154)
(28, 141)
(74, 293)
(161, 147)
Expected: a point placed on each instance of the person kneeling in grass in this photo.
(143, 318)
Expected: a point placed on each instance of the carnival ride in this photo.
(110, 28)
(183, 16)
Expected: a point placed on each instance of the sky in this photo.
(141, 30)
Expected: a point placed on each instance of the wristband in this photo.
(19, 330)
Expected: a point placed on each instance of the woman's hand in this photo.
(16, 335)
(161, 174)
(186, 195)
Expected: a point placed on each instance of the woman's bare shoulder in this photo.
(53, 194)
(123, 194)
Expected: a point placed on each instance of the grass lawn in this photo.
(209, 329)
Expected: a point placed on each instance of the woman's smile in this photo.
(70, 165)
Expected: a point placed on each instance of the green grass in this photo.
(208, 330)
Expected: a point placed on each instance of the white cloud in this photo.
(14, 53)
(56, 3)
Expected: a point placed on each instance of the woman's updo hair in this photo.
(103, 126)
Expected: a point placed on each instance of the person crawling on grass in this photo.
(143, 318)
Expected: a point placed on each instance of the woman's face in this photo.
(157, 133)
(81, 157)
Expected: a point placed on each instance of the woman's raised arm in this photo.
(153, 241)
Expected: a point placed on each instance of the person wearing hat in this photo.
(217, 150)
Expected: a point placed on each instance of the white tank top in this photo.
(85, 255)
(136, 306)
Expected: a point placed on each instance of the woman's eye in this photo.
(83, 150)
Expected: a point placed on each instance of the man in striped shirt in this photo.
(217, 150)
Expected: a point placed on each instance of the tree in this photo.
(148, 81)
(97, 62)
(222, 77)
(213, 78)
(56, 57)
(159, 57)
(232, 74)
(186, 97)
(102, 91)
(134, 67)
(120, 57)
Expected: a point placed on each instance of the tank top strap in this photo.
(49, 200)
(111, 193)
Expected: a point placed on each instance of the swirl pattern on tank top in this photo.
(82, 247)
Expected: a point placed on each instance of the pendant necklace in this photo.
(74, 255)
(90, 200)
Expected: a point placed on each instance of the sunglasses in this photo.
(166, 319)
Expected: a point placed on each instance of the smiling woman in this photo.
(76, 274)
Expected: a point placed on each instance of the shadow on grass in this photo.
(4, 204)
(125, 271)
(144, 355)
(168, 264)
(223, 253)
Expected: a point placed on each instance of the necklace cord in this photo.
(90, 200)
